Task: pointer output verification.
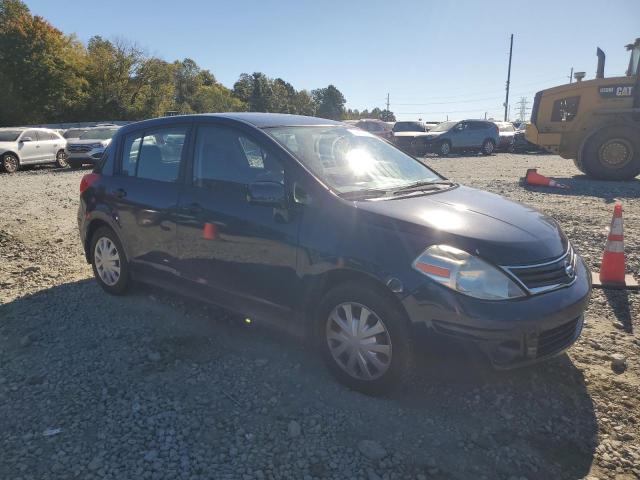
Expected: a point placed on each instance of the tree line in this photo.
(47, 76)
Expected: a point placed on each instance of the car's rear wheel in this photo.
(613, 153)
(444, 148)
(488, 146)
(61, 159)
(10, 163)
(110, 266)
(365, 339)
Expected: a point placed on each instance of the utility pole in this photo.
(387, 102)
(571, 76)
(506, 100)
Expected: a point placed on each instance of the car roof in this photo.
(256, 119)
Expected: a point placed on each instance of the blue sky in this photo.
(433, 58)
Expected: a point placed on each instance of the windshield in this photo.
(98, 134)
(443, 127)
(351, 160)
(506, 127)
(408, 127)
(75, 133)
(9, 135)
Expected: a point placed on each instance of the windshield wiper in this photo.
(365, 193)
(423, 186)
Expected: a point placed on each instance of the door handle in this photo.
(120, 193)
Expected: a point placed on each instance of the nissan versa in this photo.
(326, 229)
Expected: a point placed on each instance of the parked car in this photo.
(469, 135)
(507, 133)
(327, 230)
(377, 127)
(406, 136)
(522, 145)
(30, 146)
(89, 147)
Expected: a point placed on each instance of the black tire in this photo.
(74, 164)
(397, 334)
(10, 163)
(612, 153)
(123, 281)
(444, 148)
(488, 147)
(61, 159)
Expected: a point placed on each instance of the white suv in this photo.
(30, 146)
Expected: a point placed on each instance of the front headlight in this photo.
(466, 273)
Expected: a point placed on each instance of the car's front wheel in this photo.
(110, 266)
(488, 147)
(444, 148)
(10, 163)
(365, 339)
(61, 159)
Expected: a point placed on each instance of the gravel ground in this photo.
(154, 386)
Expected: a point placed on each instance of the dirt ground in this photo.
(151, 386)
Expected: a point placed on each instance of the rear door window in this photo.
(154, 154)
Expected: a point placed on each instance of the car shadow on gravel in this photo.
(457, 418)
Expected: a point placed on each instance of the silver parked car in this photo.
(89, 147)
(30, 146)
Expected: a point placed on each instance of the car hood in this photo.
(410, 134)
(497, 229)
(77, 141)
(7, 145)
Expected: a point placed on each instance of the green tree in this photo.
(330, 102)
(387, 116)
(112, 67)
(41, 75)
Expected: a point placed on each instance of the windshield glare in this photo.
(443, 127)
(351, 160)
(98, 134)
(506, 127)
(9, 135)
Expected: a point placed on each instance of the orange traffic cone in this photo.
(534, 178)
(613, 265)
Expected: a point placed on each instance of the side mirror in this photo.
(267, 194)
(26, 139)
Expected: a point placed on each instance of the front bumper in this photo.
(92, 156)
(512, 333)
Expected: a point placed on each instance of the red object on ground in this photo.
(613, 262)
(534, 178)
(209, 232)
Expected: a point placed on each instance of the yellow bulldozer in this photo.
(596, 123)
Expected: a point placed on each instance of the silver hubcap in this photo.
(616, 153)
(62, 159)
(358, 340)
(107, 261)
(10, 163)
(445, 148)
(488, 147)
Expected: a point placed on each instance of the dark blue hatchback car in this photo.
(326, 229)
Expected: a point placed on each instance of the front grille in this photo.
(79, 148)
(549, 275)
(556, 339)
